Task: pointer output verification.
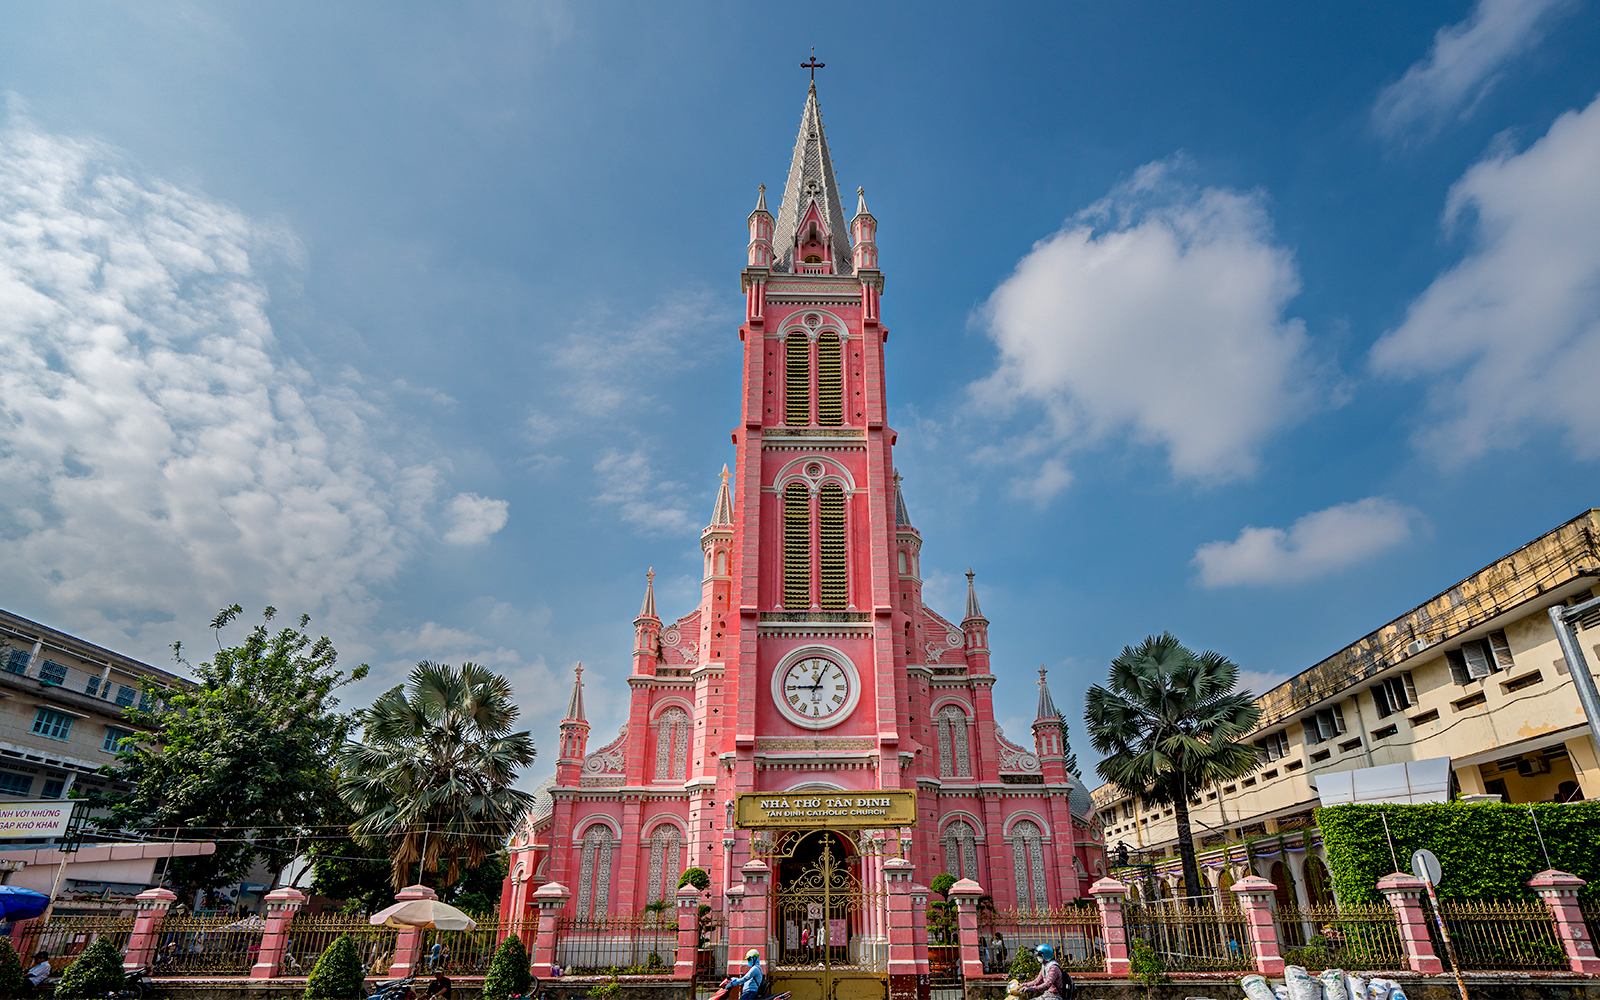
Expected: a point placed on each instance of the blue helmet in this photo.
(1046, 952)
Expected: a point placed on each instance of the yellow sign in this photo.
(869, 810)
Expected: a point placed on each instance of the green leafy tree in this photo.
(432, 773)
(1168, 725)
(95, 972)
(10, 970)
(1146, 967)
(242, 758)
(338, 974)
(508, 971)
(1025, 965)
(941, 914)
(696, 877)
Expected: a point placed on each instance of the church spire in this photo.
(648, 608)
(973, 611)
(575, 706)
(811, 180)
(1047, 705)
(902, 518)
(722, 513)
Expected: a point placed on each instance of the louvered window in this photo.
(830, 536)
(1479, 658)
(1394, 694)
(797, 388)
(830, 381)
(797, 546)
(1324, 725)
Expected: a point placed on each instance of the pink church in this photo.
(811, 663)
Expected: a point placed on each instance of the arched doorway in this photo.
(1284, 898)
(1319, 884)
(822, 948)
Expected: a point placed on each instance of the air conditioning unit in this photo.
(1416, 646)
(1530, 766)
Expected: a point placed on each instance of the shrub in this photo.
(338, 974)
(95, 972)
(10, 970)
(1025, 965)
(508, 971)
(942, 883)
(1145, 966)
(696, 877)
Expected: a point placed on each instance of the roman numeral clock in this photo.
(816, 688)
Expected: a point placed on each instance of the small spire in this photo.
(973, 611)
(761, 200)
(861, 201)
(648, 608)
(1047, 705)
(722, 513)
(575, 706)
(901, 516)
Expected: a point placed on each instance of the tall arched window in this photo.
(830, 381)
(954, 759)
(830, 538)
(672, 744)
(797, 546)
(1027, 860)
(961, 850)
(797, 384)
(666, 862)
(594, 878)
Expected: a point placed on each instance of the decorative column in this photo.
(688, 932)
(1560, 894)
(1255, 905)
(755, 910)
(735, 931)
(902, 945)
(919, 939)
(966, 893)
(1108, 895)
(550, 899)
(282, 905)
(408, 944)
(153, 904)
(1404, 893)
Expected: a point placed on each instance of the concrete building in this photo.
(1473, 674)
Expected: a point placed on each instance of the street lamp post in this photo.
(1586, 614)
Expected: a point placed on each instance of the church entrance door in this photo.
(824, 949)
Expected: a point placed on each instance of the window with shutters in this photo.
(13, 783)
(955, 760)
(830, 539)
(1479, 658)
(666, 863)
(961, 850)
(16, 661)
(594, 873)
(797, 381)
(125, 695)
(797, 546)
(52, 673)
(1394, 694)
(1275, 745)
(1324, 725)
(672, 744)
(56, 725)
(830, 381)
(1027, 861)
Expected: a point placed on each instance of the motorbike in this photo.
(133, 985)
(397, 989)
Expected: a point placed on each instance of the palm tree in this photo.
(1168, 726)
(432, 775)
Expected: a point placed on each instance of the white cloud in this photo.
(1510, 336)
(160, 456)
(473, 518)
(631, 485)
(1464, 63)
(1157, 313)
(1319, 543)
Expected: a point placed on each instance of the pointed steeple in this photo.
(575, 706)
(973, 611)
(1047, 705)
(811, 178)
(761, 199)
(861, 201)
(902, 518)
(648, 608)
(722, 513)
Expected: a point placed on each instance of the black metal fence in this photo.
(1356, 937)
(310, 936)
(1075, 933)
(1191, 937)
(642, 945)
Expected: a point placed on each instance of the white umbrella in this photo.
(424, 913)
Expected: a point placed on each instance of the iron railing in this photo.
(1358, 937)
(711, 955)
(69, 933)
(1075, 933)
(944, 965)
(309, 937)
(461, 953)
(1502, 936)
(1191, 937)
(206, 946)
(641, 945)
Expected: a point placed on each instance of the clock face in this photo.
(816, 691)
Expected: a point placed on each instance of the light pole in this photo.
(1586, 615)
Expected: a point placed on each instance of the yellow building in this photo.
(1474, 674)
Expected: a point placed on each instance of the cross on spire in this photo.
(813, 65)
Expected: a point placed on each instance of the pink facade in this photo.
(811, 662)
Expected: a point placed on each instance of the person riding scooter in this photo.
(1054, 983)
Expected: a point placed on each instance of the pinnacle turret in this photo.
(722, 513)
(973, 611)
(575, 706)
(861, 202)
(648, 608)
(811, 179)
(1047, 705)
(902, 518)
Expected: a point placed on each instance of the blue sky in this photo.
(1260, 324)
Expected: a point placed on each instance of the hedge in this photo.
(95, 972)
(338, 974)
(509, 975)
(1487, 852)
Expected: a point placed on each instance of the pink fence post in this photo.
(688, 932)
(1404, 893)
(408, 945)
(735, 930)
(550, 899)
(902, 939)
(919, 938)
(1255, 903)
(1559, 891)
(966, 893)
(755, 911)
(153, 904)
(282, 905)
(1108, 895)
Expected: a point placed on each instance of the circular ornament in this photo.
(816, 687)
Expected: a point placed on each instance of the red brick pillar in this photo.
(688, 932)
(966, 893)
(153, 904)
(550, 899)
(1404, 893)
(282, 905)
(408, 945)
(1560, 894)
(902, 939)
(919, 938)
(735, 931)
(756, 912)
(1108, 895)
(1255, 905)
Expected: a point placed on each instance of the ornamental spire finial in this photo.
(973, 611)
(648, 608)
(575, 706)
